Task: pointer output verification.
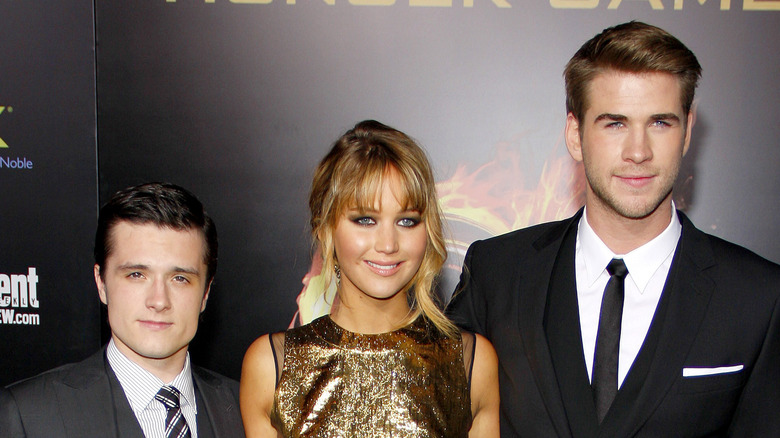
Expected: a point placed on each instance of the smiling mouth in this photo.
(383, 270)
(382, 267)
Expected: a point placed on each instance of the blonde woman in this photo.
(386, 362)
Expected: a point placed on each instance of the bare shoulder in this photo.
(258, 370)
(258, 383)
(259, 352)
(484, 390)
(484, 354)
(484, 344)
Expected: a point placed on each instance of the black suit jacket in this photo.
(720, 307)
(85, 399)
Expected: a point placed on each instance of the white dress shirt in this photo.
(648, 267)
(140, 387)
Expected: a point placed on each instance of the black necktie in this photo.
(175, 424)
(605, 358)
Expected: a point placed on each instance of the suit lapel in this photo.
(203, 419)
(86, 400)
(92, 403)
(683, 305)
(126, 422)
(562, 325)
(532, 303)
(218, 403)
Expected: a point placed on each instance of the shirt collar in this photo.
(642, 262)
(140, 386)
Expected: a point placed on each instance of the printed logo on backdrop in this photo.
(9, 161)
(19, 298)
(656, 5)
(2, 110)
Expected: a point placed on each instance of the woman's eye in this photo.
(365, 221)
(408, 222)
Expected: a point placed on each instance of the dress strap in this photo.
(277, 346)
(469, 341)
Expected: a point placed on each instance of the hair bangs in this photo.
(352, 175)
(362, 190)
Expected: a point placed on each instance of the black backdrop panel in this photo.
(48, 193)
(237, 101)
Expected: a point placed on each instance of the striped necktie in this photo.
(175, 424)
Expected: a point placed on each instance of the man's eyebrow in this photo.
(622, 118)
(192, 271)
(141, 267)
(608, 116)
(130, 266)
(665, 116)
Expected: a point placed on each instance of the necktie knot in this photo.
(169, 396)
(617, 268)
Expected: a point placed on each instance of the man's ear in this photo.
(101, 286)
(573, 137)
(206, 296)
(688, 129)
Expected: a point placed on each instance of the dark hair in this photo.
(162, 204)
(632, 47)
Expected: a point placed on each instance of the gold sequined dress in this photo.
(411, 382)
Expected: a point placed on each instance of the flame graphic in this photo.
(487, 201)
(493, 198)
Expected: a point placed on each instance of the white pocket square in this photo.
(698, 372)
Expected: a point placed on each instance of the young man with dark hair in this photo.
(155, 259)
(625, 320)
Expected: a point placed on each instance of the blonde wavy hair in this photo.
(351, 175)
